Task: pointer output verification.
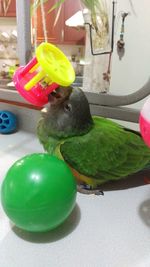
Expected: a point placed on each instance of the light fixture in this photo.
(76, 20)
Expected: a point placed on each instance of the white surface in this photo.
(103, 231)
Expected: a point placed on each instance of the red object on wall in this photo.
(10, 12)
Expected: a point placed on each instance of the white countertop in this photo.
(103, 231)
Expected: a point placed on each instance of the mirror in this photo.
(129, 68)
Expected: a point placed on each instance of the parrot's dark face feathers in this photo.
(68, 113)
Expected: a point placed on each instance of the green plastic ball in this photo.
(38, 192)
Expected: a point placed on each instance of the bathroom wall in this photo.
(131, 72)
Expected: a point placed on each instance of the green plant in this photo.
(100, 22)
(37, 3)
(58, 4)
(98, 9)
(99, 17)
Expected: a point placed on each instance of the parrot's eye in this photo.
(67, 107)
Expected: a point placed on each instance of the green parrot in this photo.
(95, 148)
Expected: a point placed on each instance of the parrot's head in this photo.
(68, 113)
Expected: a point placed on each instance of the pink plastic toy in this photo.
(144, 122)
(43, 74)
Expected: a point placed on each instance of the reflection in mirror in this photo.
(117, 74)
(123, 73)
(8, 49)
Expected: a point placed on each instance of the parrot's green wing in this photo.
(107, 152)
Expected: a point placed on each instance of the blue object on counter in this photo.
(8, 122)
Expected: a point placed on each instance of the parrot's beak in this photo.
(59, 95)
